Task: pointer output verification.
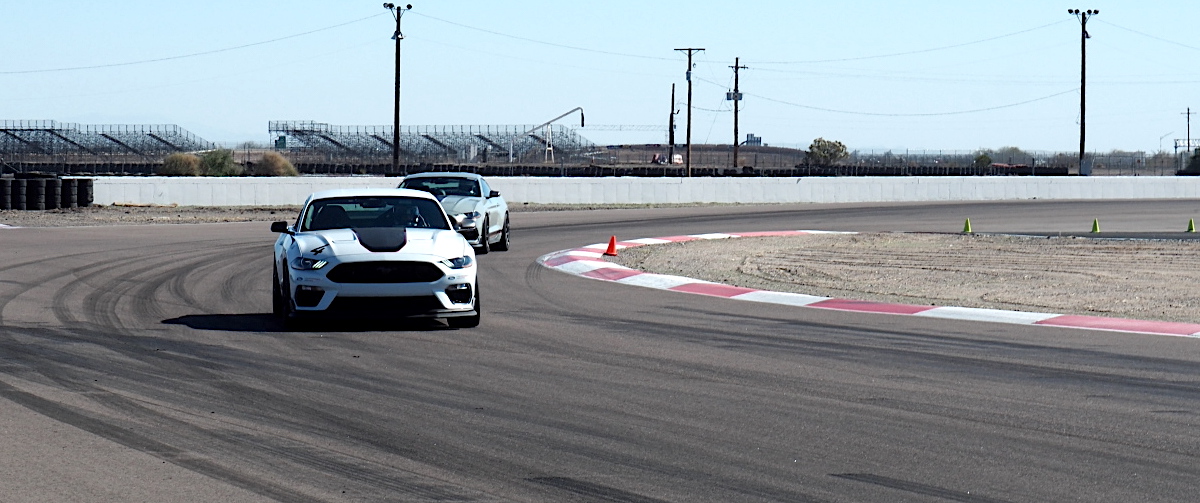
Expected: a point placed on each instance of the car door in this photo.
(494, 207)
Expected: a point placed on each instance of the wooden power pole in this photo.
(690, 51)
(397, 12)
(736, 96)
(1083, 16)
(671, 130)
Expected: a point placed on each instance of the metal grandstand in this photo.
(31, 139)
(429, 144)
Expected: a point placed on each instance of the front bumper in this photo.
(472, 235)
(449, 296)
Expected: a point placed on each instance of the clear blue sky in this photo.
(874, 75)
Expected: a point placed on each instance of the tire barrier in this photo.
(33, 192)
(5, 194)
(53, 193)
(85, 191)
(18, 194)
(69, 196)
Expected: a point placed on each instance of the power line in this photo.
(1147, 35)
(623, 127)
(542, 42)
(657, 58)
(932, 114)
(908, 53)
(182, 56)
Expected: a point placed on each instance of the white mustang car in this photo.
(481, 212)
(377, 253)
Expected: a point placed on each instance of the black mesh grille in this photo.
(385, 272)
(385, 306)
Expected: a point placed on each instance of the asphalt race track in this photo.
(140, 364)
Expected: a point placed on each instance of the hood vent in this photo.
(382, 239)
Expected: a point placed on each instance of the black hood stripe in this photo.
(382, 239)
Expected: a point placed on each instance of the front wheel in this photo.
(278, 308)
(483, 247)
(468, 321)
(502, 245)
(282, 308)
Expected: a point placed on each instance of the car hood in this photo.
(345, 243)
(460, 204)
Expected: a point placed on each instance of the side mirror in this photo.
(494, 193)
(280, 227)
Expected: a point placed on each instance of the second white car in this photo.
(479, 210)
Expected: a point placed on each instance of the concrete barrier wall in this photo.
(208, 191)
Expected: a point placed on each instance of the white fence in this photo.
(209, 191)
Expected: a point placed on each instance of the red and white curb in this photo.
(589, 262)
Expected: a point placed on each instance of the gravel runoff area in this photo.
(1139, 279)
(1136, 279)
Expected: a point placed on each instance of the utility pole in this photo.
(736, 96)
(671, 130)
(1083, 17)
(1189, 129)
(689, 51)
(397, 12)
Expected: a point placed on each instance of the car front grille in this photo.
(385, 272)
(385, 306)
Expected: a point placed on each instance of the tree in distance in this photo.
(1008, 155)
(180, 164)
(1193, 164)
(824, 152)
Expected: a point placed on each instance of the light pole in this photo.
(397, 12)
(1083, 17)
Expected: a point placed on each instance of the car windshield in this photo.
(364, 211)
(443, 186)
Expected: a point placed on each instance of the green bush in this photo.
(219, 163)
(180, 164)
(824, 152)
(274, 164)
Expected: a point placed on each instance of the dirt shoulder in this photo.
(1139, 279)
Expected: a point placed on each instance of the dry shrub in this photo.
(180, 164)
(274, 164)
(219, 162)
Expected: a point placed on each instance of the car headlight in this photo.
(307, 264)
(462, 262)
(468, 217)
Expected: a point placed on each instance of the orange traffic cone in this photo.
(612, 247)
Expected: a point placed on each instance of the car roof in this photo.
(370, 192)
(451, 174)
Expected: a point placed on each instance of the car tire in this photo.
(484, 247)
(468, 321)
(278, 308)
(502, 244)
(287, 313)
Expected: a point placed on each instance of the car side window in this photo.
(484, 189)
